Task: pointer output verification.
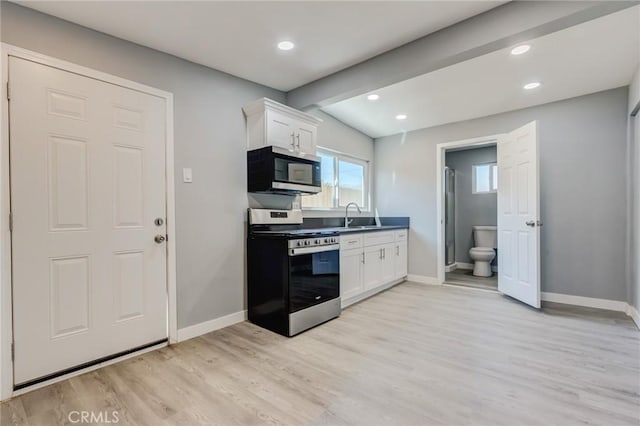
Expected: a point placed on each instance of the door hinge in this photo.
(10, 222)
(8, 91)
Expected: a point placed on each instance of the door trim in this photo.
(441, 149)
(6, 315)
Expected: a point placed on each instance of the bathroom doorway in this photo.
(470, 181)
(518, 213)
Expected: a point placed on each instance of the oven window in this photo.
(314, 278)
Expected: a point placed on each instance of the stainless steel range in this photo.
(293, 273)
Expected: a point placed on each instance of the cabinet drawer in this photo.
(381, 237)
(401, 235)
(350, 241)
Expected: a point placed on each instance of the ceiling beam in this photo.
(493, 30)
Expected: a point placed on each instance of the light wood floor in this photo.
(413, 355)
(465, 277)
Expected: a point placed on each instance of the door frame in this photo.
(6, 315)
(441, 150)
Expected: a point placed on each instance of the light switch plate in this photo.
(187, 175)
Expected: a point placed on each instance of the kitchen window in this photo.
(485, 178)
(344, 180)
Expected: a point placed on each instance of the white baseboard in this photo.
(211, 325)
(462, 265)
(634, 314)
(423, 279)
(592, 302)
(589, 302)
(469, 266)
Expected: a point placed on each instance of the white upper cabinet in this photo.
(272, 123)
(279, 132)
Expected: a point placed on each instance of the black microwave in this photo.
(278, 170)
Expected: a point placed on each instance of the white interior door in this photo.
(87, 183)
(519, 215)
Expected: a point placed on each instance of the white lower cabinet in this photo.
(351, 272)
(400, 253)
(367, 267)
(372, 263)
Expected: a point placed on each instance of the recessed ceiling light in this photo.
(401, 116)
(532, 85)
(286, 45)
(373, 97)
(519, 50)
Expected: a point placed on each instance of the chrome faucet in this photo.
(346, 213)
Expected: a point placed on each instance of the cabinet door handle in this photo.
(380, 254)
(384, 253)
(298, 137)
(293, 140)
(363, 258)
(397, 250)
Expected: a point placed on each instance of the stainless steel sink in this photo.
(342, 229)
(358, 228)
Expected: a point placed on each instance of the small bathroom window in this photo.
(485, 178)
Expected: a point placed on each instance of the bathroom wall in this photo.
(471, 209)
(583, 181)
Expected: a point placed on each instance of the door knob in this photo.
(530, 223)
(159, 239)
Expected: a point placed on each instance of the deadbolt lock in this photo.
(159, 221)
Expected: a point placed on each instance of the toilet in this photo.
(485, 240)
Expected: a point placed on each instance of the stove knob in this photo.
(307, 242)
(327, 240)
(299, 243)
(318, 242)
(334, 240)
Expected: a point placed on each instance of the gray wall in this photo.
(634, 258)
(634, 194)
(471, 209)
(209, 137)
(583, 189)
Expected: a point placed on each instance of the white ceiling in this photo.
(240, 37)
(597, 55)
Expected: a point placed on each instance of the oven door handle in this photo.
(309, 250)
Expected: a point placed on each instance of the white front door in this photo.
(87, 183)
(519, 215)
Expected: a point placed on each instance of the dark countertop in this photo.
(359, 224)
(333, 225)
(365, 228)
